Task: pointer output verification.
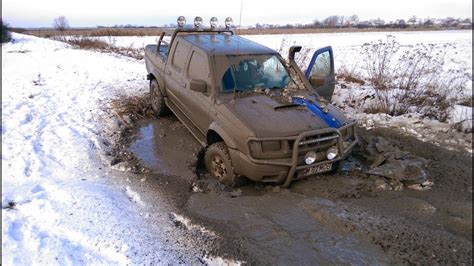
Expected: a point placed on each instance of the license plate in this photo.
(315, 169)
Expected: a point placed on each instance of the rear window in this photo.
(180, 54)
(198, 67)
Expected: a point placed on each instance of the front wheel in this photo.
(219, 164)
(157, 100)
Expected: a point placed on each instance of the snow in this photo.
(60, 205)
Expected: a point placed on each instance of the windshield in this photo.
(257, 71)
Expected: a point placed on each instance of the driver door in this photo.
(321, 74)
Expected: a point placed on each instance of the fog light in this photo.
(214, 22)
(310, 157)
(197, 22)
(181, 21)
(228, 23)
(332, 152)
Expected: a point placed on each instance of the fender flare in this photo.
(229, 141)
(161, 83)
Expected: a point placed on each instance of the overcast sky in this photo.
(33, 13)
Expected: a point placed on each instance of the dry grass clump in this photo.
(89, 43)
(134, 107)
(85, 43)
(92, 32)
(412, 79)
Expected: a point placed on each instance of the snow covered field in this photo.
(60, 205)
(346, 46)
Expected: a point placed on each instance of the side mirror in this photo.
(198, 85)
(293, 50)
(316, 80)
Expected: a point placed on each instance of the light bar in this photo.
(214, 23)
(197, 22)
(181, 21)
(228, 23)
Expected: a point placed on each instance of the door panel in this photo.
(321, 74)
(198, 103)
(174, 72)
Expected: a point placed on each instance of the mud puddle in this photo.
(327, 219)
(166, 147)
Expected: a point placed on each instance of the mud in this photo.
(355, 218)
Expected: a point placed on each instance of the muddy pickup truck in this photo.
(257, 115)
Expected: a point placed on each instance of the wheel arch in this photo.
(215, 133)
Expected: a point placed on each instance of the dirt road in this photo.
(328, 219)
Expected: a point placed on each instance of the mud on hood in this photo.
(269, 118)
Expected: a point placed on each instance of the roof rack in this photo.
(173, 32)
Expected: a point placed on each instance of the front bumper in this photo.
(285, 170)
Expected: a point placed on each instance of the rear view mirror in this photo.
(316, 81)
(198, 85)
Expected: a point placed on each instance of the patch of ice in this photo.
(133, 196)
(191, 226)
(219, 261)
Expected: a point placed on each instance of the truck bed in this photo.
(163, 50)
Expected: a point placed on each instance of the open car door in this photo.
(320, 72)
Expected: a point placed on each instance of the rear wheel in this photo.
(157, 100)
(219, 164)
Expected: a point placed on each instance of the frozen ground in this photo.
(60, 203)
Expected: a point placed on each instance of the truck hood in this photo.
(268, 118)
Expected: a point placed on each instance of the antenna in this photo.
(240, 19)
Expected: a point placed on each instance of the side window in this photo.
(198, 67)
(180, 54)
(322, 65)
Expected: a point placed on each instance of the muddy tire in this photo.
(157, 100)
(219, 165)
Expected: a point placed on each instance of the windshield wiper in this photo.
(291, 105)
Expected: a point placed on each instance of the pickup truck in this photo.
(258, 115)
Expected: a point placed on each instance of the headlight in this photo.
(332, 152)
(214, 23)
(310, 157)
(228, 22)
(181, 21)
(197, 22)
(270, 149)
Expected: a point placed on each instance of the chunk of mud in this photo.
(236, 193)
(408, 172)
(209, 186)
(115, 161)
(381, 185)
(413, 207)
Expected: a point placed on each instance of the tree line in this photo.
(354, 22)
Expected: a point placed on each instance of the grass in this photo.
(95, 32)
(89, 43)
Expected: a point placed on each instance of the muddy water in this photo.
(331, 219)
(166, 147)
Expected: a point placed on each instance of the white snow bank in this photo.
(65, 211)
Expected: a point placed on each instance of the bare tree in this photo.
(331, 21)
(412, 21)
(60, 23)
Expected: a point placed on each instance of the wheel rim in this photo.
(219, 169)
(154, 97)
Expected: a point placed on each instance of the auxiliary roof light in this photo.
(197, 22)
(181, 21)
(214, 23)
(228, 22)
